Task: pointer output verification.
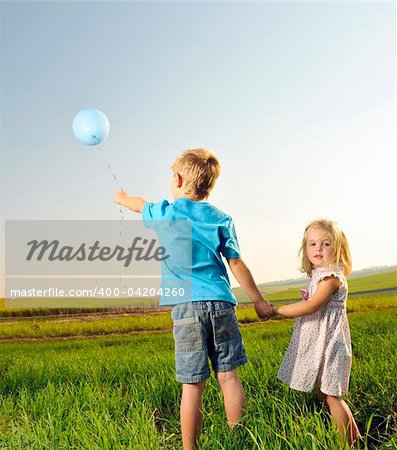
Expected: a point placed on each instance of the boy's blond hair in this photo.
(341, 252)
(199, 168)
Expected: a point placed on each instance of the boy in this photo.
(206, 325)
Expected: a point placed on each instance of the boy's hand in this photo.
(120, 197)
(135, 204)
(263, 309)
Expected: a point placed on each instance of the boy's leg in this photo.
(191, 413)
(343, 418)
(233, 395)
(191, 364)
(226, 354)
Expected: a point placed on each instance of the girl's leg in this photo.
(191, 413)
(233, 395)
(344, 419)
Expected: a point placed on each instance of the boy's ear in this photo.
(179, 180)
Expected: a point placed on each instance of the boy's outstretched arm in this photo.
(243, 276)
(135, 204)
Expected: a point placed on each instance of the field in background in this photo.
(367, 284)
(384, 283)
(126, 322)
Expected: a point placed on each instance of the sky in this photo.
(298, 101)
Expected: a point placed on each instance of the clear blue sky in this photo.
(298, 100)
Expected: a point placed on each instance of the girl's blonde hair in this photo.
(341, 252)
(200, 169)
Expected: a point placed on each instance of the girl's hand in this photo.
(120, 197)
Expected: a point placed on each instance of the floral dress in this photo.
(319, 353)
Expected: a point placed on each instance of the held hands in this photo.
(263, 309)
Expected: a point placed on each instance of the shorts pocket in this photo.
(187, 334)
(226, 326)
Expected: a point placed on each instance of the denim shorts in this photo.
(206, 330)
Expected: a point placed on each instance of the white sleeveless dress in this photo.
(319, 353)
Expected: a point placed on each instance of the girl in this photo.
(319, 354)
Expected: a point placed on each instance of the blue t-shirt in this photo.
(212, 235)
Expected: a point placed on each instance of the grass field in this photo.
(119, 392)
(89, 380)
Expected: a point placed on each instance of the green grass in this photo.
(120, 393)
(385, 280)
(90, 326)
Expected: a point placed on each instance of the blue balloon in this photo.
(91, 126)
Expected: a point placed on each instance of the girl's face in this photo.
(318, 247)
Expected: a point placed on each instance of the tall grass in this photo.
(120, 393)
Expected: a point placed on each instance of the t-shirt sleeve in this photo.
(154, 211)
(229, 244)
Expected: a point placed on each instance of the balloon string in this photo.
(110, 169)
(114, 176)
(118, 206)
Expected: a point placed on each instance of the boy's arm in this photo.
(246, 281)
(133, 203)
(325, 289)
